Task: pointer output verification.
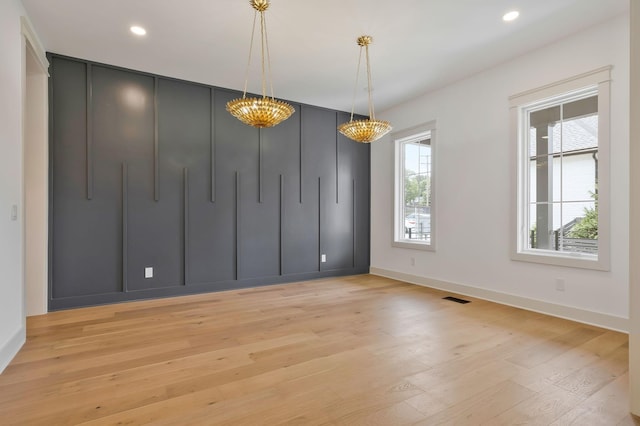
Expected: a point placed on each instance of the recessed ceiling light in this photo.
(510, 16)
(138, 30)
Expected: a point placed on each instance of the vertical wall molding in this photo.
(337, 160)
(281, 230)
(89, 136)
(354, 220)
(319, 223)
(260, 165)
(125, 226)
(237, 228)
(50, 187)
(212, 145)
(185, 226)
(156, 183)
(301, 145)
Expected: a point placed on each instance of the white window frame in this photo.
(399, 138)
(599, 79)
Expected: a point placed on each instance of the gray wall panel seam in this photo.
(319, 223)
(185, 229)
(212, 144)
(237, 226)
(337, 160)
(156, 147)
(301, 144)
(260, 166)
(354, 221)
(89, 130)
(125, 227)
(281, 230)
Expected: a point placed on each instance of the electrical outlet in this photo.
(14, 212)
(560, 284)
(323, 258)
(148, 272)
(413, 261)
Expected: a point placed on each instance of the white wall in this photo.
(12, 325)
(474, 174)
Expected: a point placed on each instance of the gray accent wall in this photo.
(149, 171)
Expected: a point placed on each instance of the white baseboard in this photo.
(610, 322)
(11, 347)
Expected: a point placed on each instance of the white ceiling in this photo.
(419, 45)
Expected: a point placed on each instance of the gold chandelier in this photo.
(266, 111)
(370, 129)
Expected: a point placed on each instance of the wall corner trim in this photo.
(30, 34)
(598, 319)
(10, 349)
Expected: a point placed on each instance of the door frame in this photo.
(35, 172)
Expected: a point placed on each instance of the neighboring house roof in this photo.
(579, 134)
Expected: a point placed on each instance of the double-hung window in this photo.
(562, 133)
(414, 212)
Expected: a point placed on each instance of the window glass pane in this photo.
(543, 118)
(532, 228)
(544, 172)
(569, 227)
(555, 138)
(580, 230)
(542, 218)
(580, 108)
(544, 122)
(579, 149)
(557, 221)
(580, 133)
(556, 177)
(533, 170)
(581, 219)
(416, 206)
(532, 142)
(541, 184)
(579, 177)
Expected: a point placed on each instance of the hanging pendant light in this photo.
(370, 129)
(266, 111)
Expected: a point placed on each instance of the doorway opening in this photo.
(35, 180)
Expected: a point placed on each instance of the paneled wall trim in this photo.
(157, 191)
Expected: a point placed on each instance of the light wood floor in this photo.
(354, 350)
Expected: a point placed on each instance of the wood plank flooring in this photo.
(342, 351)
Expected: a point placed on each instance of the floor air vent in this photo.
(455, 299)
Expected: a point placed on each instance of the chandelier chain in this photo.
(246, 74)
(264, 75)
(372, 115)
(266, 38)
(355, 89)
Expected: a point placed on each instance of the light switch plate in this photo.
(148, 272)
(323, 258)
(14, 212)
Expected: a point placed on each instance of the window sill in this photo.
(413, 245)
(576, 260)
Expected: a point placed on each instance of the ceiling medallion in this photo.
(266, 111)
(370, 129)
